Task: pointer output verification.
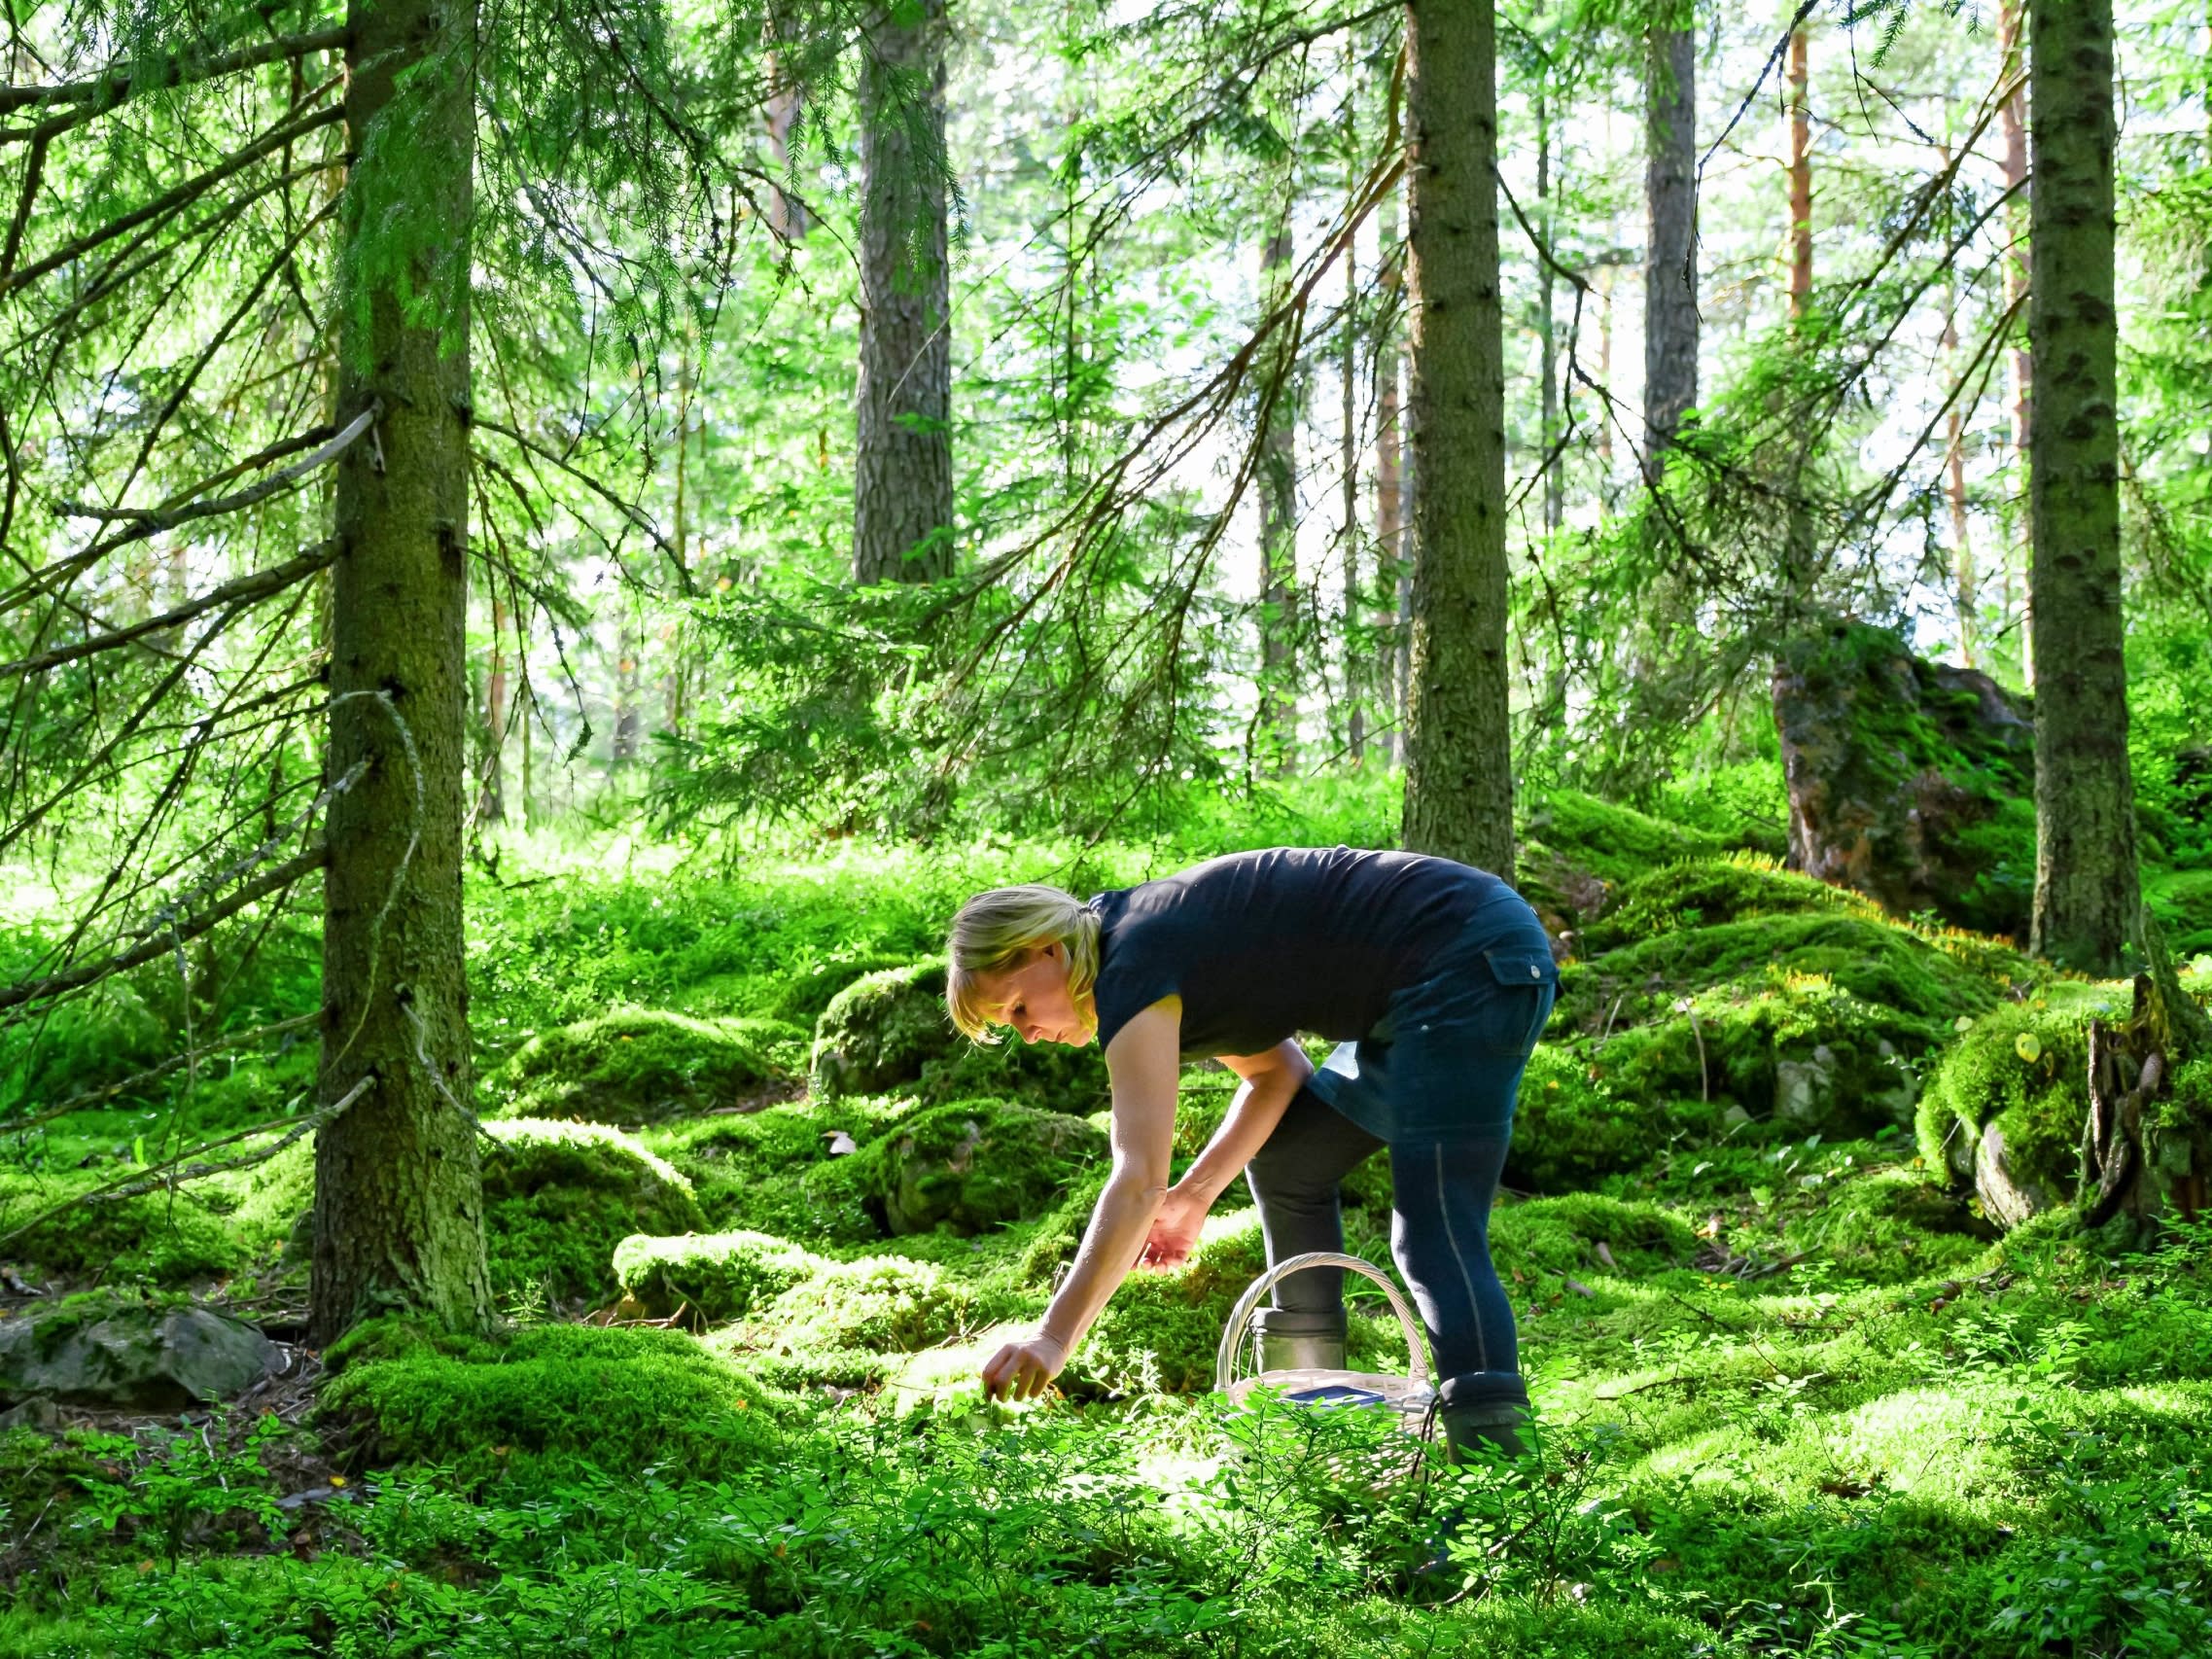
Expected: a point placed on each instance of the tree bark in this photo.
(2011, 117)
(1547, 329)
(2085, 892)
(1671, 218)
(1459, 769)
(398, 1218)
(787, 218)
(1798, 551)
(1348, 463)
(902, 473)
(1279, 518)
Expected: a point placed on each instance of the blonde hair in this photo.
(994, 929)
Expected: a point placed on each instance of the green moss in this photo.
(556, 1394)
(1571, 1125)
(1890, 1226)
(1614, 843)
(802, 1000)
(158, 1238)
(559, 1198)
(1987, 1076)
(1705, 893)
(1560, 1235)
(886, 1304)
(639, 1065)
(720, 1275)
(776, 1171)
(974, 1165)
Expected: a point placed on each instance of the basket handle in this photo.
(1240, 1317)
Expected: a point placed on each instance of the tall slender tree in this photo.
(2012, 118)
(2085, 884)
(398, 1218)
(1458, 768)
(1278, 513)
(902, 470)
(1670, 237)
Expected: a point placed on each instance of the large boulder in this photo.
(972, 1165)
(1909, 780)
(94, 1351)
(641, 1064)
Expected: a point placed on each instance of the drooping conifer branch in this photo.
(168, 71)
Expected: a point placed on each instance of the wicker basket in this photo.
(1408, 1398)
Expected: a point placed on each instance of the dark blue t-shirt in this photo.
(1266, 944)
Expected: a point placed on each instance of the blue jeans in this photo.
(1435, 1081)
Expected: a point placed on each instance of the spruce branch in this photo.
(96, 96)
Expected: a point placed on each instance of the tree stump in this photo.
(2147, 1153)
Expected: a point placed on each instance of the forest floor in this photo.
(752, 1226)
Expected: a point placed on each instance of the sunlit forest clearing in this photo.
(551, 549)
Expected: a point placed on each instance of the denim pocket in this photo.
(1515, 989)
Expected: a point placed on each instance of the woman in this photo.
(1434, 978)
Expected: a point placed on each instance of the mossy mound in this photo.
(971, 1165)
(1561, 1235)
(1572, 1125)
(559, 1198)
(611, 1397)
(721, 1275)
(890, 1031)
(884, 1304)
(1918, 983)
(1706, 893)
(641, 1064)
(803, 999)
(1614, 843)
(158, 1238)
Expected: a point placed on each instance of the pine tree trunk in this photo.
(787, 218)
(1348, 464)
(903, 469)
(1547, 329)
(1800, 551)
(2086, 894)
(1671, 212)
(1458, 770)
(398, 1218)
(1278, 519)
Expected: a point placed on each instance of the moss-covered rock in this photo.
(1890, 1226)
(159, 1238)
(788, 1170)
(971, 1165)
(877, 1033)
(555, 1395)
(559, 1198)
(2006, 1107)
(1574, 850)
(805, 997)
(1706, 893)
(1572, 1125)
(1561, 1235)
(721, 1275)
(890, 1031)
(641, 1064)
(1908, 780)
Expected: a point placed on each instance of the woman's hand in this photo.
(1175, 1230)
(1020, 1370)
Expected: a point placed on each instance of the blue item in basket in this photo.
(1337, 1394)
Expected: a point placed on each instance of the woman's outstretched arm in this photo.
(1143, 1064)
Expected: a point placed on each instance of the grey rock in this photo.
(139, 1358)
(36, 1412)
(2009, 1196)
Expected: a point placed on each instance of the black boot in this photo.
(1473, 1432)
(1296, 1341)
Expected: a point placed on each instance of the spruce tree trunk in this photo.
(2086, 894)
(2012, 116)
(491, 800)
(1670, 215)
(902, 468)
(1458, 767)
(1800, 554)
(398, 1219)
(1278, 520)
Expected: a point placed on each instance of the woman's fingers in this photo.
(998, 1369)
